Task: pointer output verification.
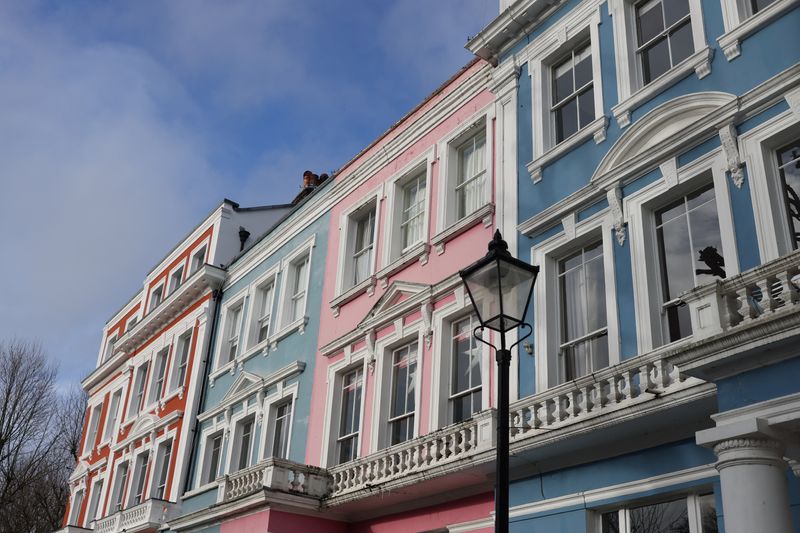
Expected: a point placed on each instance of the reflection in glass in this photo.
(789, 169)
(404, 372)
(690, 254)
(573, 92)
(465, 388)
(664, 35)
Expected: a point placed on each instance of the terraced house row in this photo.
(644, 154)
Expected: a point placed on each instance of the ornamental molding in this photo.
(743, 443)
(730, 148)
(614, 196)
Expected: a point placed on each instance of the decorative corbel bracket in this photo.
(369, 338)
(733, 162)
(614, 196)
(427, 321)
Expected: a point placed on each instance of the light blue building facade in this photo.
(654, 148)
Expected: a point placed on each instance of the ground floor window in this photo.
(692, 514)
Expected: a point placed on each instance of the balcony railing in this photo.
(150, 514)
(447, 445)
(274, 474)
(753, 296)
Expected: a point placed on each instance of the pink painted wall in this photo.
(459, 252)
(272, 521)
(465, 510)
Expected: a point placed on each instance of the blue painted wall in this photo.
(758, 385)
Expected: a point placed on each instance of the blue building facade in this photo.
(656, 169)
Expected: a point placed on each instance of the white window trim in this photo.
(75, 511)
(98, 512)
(692, 499)
(130, 415)
(155, 446)
(348, 363)
(344, 292)
(206, 259)
(447, 150)
(381, 395)
(284, 301)
(564, 36)
(249, 408)
(283, 394)
(93, 407)
(757, 148)
(546, 309)
(740, 23)
(251, 333)
(168, 281)
(111, 432)
(185, 330)
(639, 217)
(240, 299)
(153, 396)
(392, 258)
(212, 428)
(126, 457)
(128, 503)
(441, 362)
(162, 286)
(631, 90)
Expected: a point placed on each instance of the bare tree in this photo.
(39, 435)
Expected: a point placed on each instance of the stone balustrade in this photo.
(746, 298)
(147, 515)
(274, 474)
(447, 445)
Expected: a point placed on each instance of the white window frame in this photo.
(158, 465)
(757, 148)
(392, 253)
(336, 373)
(382, 394)
(98, 491)
(443, 318)
(240, 301)
(347, 225)
(639, 209)
(282, 395)
(253, 320)
(93, 430)
(119, 487)
(546, 299)
(193, 265)
(287, 265)
(162, 354)
(132, 413)
(208, 434)
(740, 22)
(75, 510)
(449, 149)
(133, 480)
(171, 286)
(113, 419)
(577, 28)
(108, 350)
(692, 507)
(183, 339)
(631, 90)
(250, 410)
(162, 288)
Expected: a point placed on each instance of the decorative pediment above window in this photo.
(143, 425)
(652, 137)
(246, 381)
(397, 293)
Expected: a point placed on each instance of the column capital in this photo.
(749, 451)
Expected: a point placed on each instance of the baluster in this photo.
(768, 303)
(537, 420)
(586, 399)
(788, 292)
(747, 309)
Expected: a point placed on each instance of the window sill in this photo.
(418, 252)
(699, 62)
(730, 41)
(213, 485)
(485, 214)
(368, 286)
(172, 394)
(596, 129)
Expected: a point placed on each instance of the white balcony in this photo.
(152, 514)
(207, 277)
(274, 475)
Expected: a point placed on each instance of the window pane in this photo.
(649, 21)
(676, 257)
(709, 263)
(586, 108)
(595, 294)
(668, 517)
(583, 67)
(758, 5)
(566, 120)
(610, 522)
(655, 60)
(681, 43)
(708, 514)
(789, 163)
(675, 10)
(573, 305)
(562, 81)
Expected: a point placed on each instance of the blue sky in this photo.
(123, 124)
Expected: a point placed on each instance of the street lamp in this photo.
(500, 288)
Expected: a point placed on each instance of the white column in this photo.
(755, 494)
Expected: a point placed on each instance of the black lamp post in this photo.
(500, 288)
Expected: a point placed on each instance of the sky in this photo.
(122, 124)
